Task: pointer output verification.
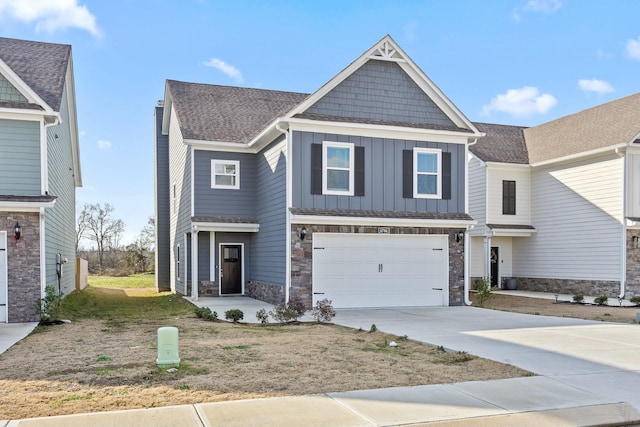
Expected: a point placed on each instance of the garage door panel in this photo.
(368, 270)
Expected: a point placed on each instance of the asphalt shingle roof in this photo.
(502, 143)
(614, 123)
(42, 66)
(226, 113)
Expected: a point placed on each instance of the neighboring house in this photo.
(558, 205)
(355, 193)
(39, 172)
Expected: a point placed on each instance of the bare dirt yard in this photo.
(105, 359)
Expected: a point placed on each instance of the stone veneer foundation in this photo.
(267, 292)
(569, 286)
(632, 286)
(23, 265)
(302, 256)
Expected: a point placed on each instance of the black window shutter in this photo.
(407, 174)
(359, 172)
(508, 197)
(316, 168)
(446, 175)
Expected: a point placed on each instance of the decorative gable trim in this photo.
(23, 88)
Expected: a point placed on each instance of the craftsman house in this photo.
(355, 193)
(39, 172)
(558, 205)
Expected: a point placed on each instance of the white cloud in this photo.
(633, 49)
(51, 15)
(595, 85)
(229, 70)
(104, 145)
(544, 6)
(522, 102)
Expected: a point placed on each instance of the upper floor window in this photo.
(427, 173)
(225, 174)
(338, 168)
(508, 197)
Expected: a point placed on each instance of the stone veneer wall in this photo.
(570, 286)
(632, 287)
(207, 288)
(267, 292)
(302, 256)
(23, 264)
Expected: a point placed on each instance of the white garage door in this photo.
(380, 270)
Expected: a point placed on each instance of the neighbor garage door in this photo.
(380, 270)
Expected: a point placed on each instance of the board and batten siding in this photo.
(60, 220)
(577, 210)
(215, 202)
(180, 203)
(477, 194)
(522, 177)
(268, 249)
(383, 175)
(20, 158)
(162, 206)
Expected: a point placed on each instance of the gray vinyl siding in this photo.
(9, 93)
(60, 221)
(180, 206)
(268, 251)
(381, 90)
(20, 157)
(224, 202)
(383, 175)
(162, 208)
(204, 255)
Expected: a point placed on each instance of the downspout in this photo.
(623, 276)
(287, 279)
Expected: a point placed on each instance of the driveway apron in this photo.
(592, 356)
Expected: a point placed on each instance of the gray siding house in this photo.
(39, 172)
(355, 193)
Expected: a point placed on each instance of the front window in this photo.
(427, 173)
(337, 172)
(225, 174)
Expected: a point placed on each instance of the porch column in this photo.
(194, 265)
(487, 257)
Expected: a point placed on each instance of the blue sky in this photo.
(520, 62)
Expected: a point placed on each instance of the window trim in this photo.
(215, 162)
(511, 197)
(416, 152)
(178, 261)
(351, 147)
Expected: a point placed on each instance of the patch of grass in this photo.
(187, 369)
(183, 387)
(104, 371)
(104, 359)
(237, 347)
(132, 281)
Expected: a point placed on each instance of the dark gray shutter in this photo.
(359, 172)
(316, 168)
(446, 175)
(407, 174)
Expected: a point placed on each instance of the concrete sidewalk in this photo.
(528, 401)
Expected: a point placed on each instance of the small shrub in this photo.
(323, 311)
(373, 328)
(297, 306)
(235, 315)
(578, 298)
(601, 300)
(262, 316)
(403, 338)
(50, 305)
(283, 314)
(205, 313)
(483, 290)
(635, 300)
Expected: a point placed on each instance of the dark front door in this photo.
(231, 274)
(495, 266)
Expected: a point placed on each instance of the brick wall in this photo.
(302, 256)
(23, 265)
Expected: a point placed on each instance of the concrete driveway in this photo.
(597, 357)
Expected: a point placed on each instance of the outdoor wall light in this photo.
(303, 233)
(17, 231)
(459, 236)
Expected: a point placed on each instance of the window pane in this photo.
(225, 168)
(427, 184)
(226, 180)
(337, 180)
(427, 162)
(337, 157)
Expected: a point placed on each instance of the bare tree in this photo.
(81, 231)
(100, 226)
(139, 253)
